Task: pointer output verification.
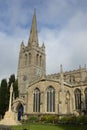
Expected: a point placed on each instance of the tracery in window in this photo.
(78, 99)
(50, 99)
(36, 100)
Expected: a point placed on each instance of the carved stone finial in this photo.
(61, 76)
(80, 67)
(43, 46)
(61, 69)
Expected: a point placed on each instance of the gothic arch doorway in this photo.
(20, 110)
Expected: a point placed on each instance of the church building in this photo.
(63, 93)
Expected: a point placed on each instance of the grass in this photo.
(49, 127)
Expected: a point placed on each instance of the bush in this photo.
(54, 119)
(74, 120)
(82, 119)
(68, 120)
(33, 119)
(50, 119)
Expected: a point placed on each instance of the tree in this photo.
(5, 93)
(15, 89)
(11, 80)
(3, 97)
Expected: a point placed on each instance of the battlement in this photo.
(73, 77)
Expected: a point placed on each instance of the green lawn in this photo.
(50, 127)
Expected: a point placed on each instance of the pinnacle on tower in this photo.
(61, 76)
(33, 32)
(61, 69)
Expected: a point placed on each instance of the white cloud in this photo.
(67, 47)
(63, 29)
(9, 52)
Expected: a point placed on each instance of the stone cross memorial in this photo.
(9, 118)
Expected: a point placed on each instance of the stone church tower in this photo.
(63, 93)
(32, 61)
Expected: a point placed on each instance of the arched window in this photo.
(50, 99)
(25, 59)
(72, 78)
(29, 58)
(86, 98)
(78, 99)
(36, 102)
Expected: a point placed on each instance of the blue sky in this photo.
(62, 26)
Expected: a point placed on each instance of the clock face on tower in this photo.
(38, 72)
(24, 78)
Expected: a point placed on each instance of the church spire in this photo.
(33, 32)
